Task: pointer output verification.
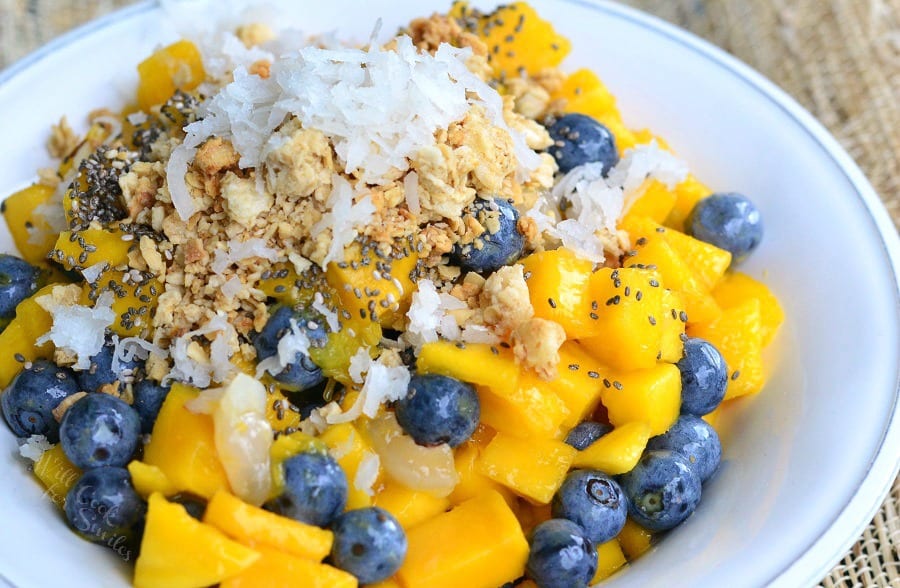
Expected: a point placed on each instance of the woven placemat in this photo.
(839, 58)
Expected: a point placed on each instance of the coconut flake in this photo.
(429, 315)
(137, 118)
(92, 272)
(382, 384)
(330, 316)
(478, 334)
(232, 287)
(202, 371)
(344, 218)
(237, 251)
(294, 342)
(127, 349)
(34, 447)
(80, 329)
(367, 473)
(411, 192)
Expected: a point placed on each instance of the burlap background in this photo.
(839, 58)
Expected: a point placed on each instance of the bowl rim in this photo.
(810, 566)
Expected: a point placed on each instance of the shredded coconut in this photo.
(367, 473)
(237, 251)
(411, 192)
(91, 273)
(330, 316)
(201, 371)
(343, 218)
(429, 315)
(379, 107)
(34, 447)
(232, 287)
(79, 329)
(382, 384)
(291, 343)
(129, 348)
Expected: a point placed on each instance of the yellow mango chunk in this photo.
(687, 194)
(389, 583)
(410, 507)
(655, 202)
(275, 569)
(737, 287)
(519, 41)
(351, 450)
(629, 316)
(472, 482)
(478, 544)
(134, 301)
(578, 382)
(737, 334)
(584, 93)
(17, 339)
(372, 285)
(178, 551)
(282, 283)
(82, 249)
(148, 479)
(334, 356)
(182, 445)
(708, 262)
(475, 363)
(57, 474)
(558, 288)
(634, 540)
(532, 468)
(254, 526)
(532, 409)
(617, 452)
(674, 317)
(278, 413)
(178, 66)
(652, 396)
(32, 234)
(532, 515)
(651, 249)
(609, 559)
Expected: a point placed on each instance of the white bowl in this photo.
(807, 462)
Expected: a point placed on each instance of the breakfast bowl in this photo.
(806, 461)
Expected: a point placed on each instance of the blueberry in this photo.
(194, 505)
(368, 543)
(501, 243)
(100, 430)
(693, 438)
(662, 490)
(594, 501)
(438, 409)
(29, 401)
(315, 489)
(18, 281)
(148, 399)
(579, 139)
(103, 508)
(100, 372)
(704, 377)
(728, 221)
(561, 555)
(302, 373)
(586, 432)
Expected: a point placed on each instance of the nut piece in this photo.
(536, 344)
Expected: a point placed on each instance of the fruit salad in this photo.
(424, 312)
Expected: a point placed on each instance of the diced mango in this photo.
(651, 249)
(275, 569)
(389, 583)
(17, 340)
(634, 540)
(472, 482)
(518, 39)
(737, 287)
(81, 249)
(148, 479)
(652, 396)
(57, 474)
(707, 261)
(334, 357)
(32, 234)
(182, 445)
(674, 317)
(478, 544)
(629, 313)
(134, 301)
(278, 413)
(476, 363)
(737, 334)
(410, 507)
(531, 515)
(351, 450)
(178, 66)
(178, 551)
(254, 526)
(585, 93)
(609, 559)
(282, 283)
(618, 451)
(373, 285)
(558, 288)
(534, 468)
(655, 202)
(687, 194)
(530, 410)
(578, 382)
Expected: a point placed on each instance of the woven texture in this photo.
(839, 58)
